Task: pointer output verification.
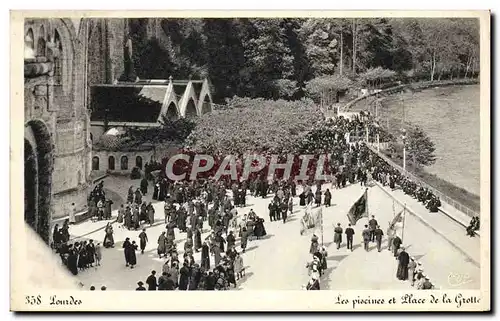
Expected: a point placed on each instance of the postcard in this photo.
(250, 161)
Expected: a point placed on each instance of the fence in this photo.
(462, 208)
(413, 86)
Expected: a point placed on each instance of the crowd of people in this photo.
(187, 207)
(473, 226)
(99, 206)
(78, 255)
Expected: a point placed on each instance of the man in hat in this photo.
(140, 288)
(404, 260)
(378, 237)
(349, 232)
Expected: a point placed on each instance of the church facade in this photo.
(57, 146)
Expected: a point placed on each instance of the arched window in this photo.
(124, 163)
(95, 163)
(29, 45)
(111, 163)
(40, 46)
(58, 72)
(138, 162)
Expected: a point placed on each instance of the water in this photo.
(450, 116)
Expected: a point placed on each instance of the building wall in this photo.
(63, 96)
(131, 155)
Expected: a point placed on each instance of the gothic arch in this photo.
(29, 44)
(41, 43)
(206, 105)
(64, 29)
(172, 112)
(38, 162)
(191, 111)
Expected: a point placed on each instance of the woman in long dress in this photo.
(109, 241)
(205, 256)
(161, 244)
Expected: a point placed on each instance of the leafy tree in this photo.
(420, 148)
(275, 127)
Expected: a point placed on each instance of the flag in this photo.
(359, 209)
(311, 219)
(397, 219)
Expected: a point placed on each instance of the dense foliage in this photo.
(254, 125)
(420, 150)
(276, 58)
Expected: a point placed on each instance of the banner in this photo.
(397, 219)
(359, 209)
(311, 219)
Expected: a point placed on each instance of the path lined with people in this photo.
(278, 260)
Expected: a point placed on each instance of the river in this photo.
(450, 116)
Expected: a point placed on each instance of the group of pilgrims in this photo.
(189, 207)
(77, 256)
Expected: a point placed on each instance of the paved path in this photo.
(278, 260)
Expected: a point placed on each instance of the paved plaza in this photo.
(278, 261)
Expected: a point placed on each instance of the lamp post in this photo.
(403, 138)
(377, 130)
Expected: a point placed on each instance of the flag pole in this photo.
(321, 213)
(404, 219)
(366, 200)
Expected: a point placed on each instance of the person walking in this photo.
(337, 237)
(378, 237)
(373, 225)
(349, 232)
(143, 237)
(366, 237)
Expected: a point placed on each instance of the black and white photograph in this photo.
(290, 154)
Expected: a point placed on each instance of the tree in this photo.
(254, 125)
(321, 89)
(420, 148)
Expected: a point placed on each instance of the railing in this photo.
(414, 86)
(462, 208)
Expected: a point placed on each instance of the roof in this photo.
(127, 103)
(121, 143)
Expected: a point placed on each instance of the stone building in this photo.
(65, 62)
(57, 145)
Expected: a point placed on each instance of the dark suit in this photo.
(373, 225)
(349, 234)
(378, 237)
